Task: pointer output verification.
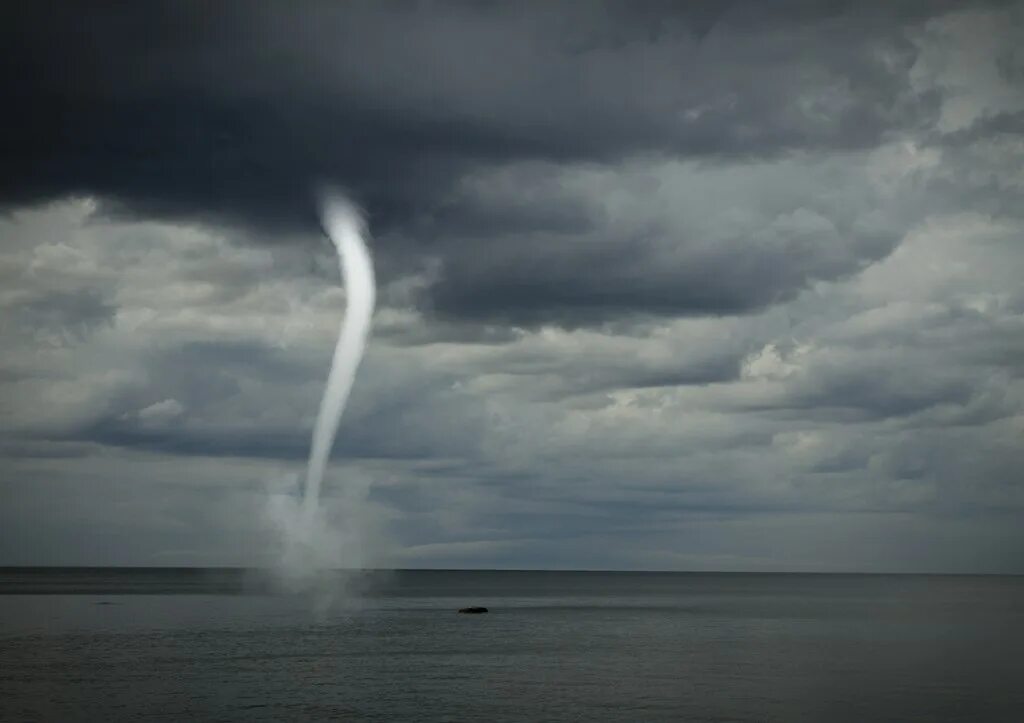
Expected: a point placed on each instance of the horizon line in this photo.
(261, 569)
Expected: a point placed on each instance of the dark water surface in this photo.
(93, 644)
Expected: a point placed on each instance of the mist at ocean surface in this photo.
(100, 644)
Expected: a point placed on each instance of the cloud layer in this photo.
(716, 288)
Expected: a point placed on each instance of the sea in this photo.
(221, 645)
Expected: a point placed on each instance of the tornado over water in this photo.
(346, 228)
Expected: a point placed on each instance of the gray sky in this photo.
(729, 286)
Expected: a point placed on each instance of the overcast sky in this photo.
(701, 286)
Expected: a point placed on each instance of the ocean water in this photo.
(178, 645)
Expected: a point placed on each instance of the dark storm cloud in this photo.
(230, 111)
(665, 239)
(715, 285)
(551, 287)
(532, 77)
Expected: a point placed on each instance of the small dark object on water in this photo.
(473, 611)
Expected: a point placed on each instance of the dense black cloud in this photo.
(231, 111)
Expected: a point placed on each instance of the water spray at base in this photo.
(311, 544)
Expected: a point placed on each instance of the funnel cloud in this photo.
(311, 541)
(345, 227)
